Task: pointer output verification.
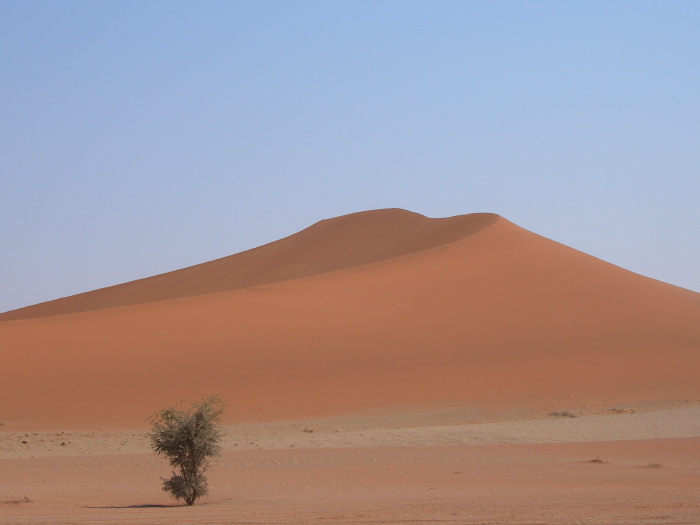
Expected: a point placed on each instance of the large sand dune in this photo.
(368, 311)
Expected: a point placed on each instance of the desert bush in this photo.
(188, 438)
(563, 413)
(25, 499)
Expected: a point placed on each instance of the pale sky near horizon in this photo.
(142, 137)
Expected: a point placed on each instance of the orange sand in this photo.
(649, 481)
(447, 356)
(368, 311)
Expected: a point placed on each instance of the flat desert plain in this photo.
(379, 367)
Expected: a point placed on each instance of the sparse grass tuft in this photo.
(25, 499)
(616, 410)
(563, 413)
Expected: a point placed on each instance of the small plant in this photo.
(621, 410)
(563, 413)
(25, 499)
(188, 438)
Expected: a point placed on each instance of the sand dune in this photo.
(368, 311)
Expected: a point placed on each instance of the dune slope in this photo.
(481, 313)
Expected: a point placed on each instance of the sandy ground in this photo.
(619, 466)
(581, 380)
(445, 426)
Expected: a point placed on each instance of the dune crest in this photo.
(329, 245)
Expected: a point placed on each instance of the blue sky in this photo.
(142, 137)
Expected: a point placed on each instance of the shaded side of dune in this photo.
(502, 318)
(333, 244)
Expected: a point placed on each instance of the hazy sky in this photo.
(142, 137)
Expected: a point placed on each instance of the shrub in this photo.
(563, 413)
(187, 438)
(25, 499)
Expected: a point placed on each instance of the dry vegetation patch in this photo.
(20, 501)
(563, 413)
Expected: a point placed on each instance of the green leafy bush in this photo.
(188, 438)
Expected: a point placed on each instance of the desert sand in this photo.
(379, 367)
(621, 466)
